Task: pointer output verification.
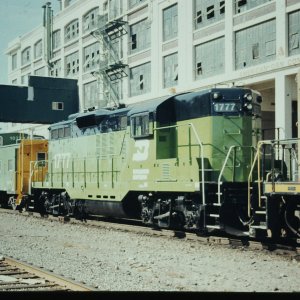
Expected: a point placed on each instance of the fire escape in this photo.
(112, 69)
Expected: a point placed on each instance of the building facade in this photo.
(124, 51)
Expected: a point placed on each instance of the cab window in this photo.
(41, 158)
(141, 125)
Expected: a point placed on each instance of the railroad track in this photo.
(16, 276)
(291, 252)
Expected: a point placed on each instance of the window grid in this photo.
(90, 94)
(140, 79)
(170, 22)
(170, 70)
(56, 42)
(207, 12)
(90, 20)
(294, 32)
(72, 30)
(40, 72)
(244, 5)
(91, 59)
(140, 36)
(115, 8)
(255, 45)
(25, 56)
(56, 68)
(133, 3)
(14, 63)
(210, 58)
(72, 64)
(38, 49)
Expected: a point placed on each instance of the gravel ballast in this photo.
(122, 261)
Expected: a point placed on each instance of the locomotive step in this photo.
(213, 226)
(214, 215)
(260, 212)
(259, 227)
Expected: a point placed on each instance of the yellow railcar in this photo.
(22, 160)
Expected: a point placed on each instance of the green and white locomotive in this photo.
(180, 161)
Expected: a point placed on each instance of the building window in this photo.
(140, 36)
(38, 49)
(198, 68)
(140, 80)
(210, 58)
(170, 22)
(24, 79)
(222, 7)
(25, 56)
(14, 82)
(10, 165)
(57, 106)
(214, 10)
(40, 72)
(72, 64)
(133, 3)
(198, 17)
(255, 45)
(68, 2)
(133, 41)
(56, 68)
(294, 32)
(170, 64)
(210, 12)
(72, 30)
(90, 20)
(90, 94)
(91, 58)
(56, 39)
(243, 5)
(255, 51)
(115, 8)
(14, 61)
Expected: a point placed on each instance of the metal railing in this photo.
(259, 161)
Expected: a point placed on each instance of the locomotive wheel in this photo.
(79, 211)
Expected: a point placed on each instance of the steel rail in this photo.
(222, 240)
(64, 283)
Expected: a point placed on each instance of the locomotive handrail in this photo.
(33, 166)
(259, 179)
(202, 161)
(257, 159)
(250, 176)
(223, 168)
(222, 171)
(201, 152)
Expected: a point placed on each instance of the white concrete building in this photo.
(133, 50)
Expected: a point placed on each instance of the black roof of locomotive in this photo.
(184, 106)
(165, 109)
(147, 105)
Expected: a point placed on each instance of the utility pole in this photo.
(47, 23)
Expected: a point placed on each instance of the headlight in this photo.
(249, 106)
(248, 97)
(216, 95)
